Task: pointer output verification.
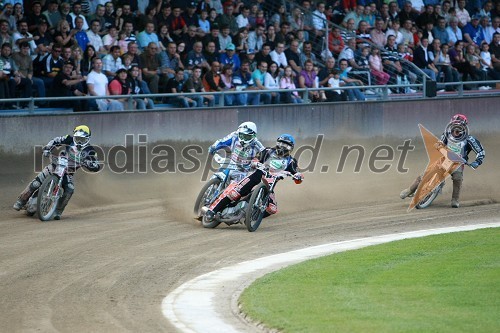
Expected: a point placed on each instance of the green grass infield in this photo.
(442, 283)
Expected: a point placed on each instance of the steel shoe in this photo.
(405, 193)
(455, 203)
(18, 205)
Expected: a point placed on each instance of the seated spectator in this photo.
(24, 64)
(287, 82)
(230, 57)
(278, 56)
(293, 56)
(390, 60)
(422, 59)
(111, 38)
(335, 42)
(97, 85)
(377, 34)
(120, 85)
(210, 53)
(353, 94)
(148, 36)
(88, 55)
(64, 35)
(473, 57)
(172, 61)
(212, 80)
(176, 86)
(195, 85)
(112, 63)
(51, 65)
(258, 77)
(95, 38)
(65, 86)
(307, 79)
(226, 81)
(22, 35)
(335, 95)
(443, 64)
(376, 67)
(81, 36)
(394, 30)
(243, 81)
(195, 58)
(256, 38)
(136, 84)
(264, 54)
(152, 72)
(495, 51)
(272, 82)
(15, 82)
(307, 54)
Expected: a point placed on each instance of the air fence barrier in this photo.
(375, 118)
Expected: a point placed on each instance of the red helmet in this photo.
(459, 118)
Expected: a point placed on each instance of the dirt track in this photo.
(125, 241)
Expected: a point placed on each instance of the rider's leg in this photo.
(272, 206)
(457, 178)
(411, 190)
(69, 188)
(32, 187)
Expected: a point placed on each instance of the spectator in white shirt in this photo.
(278, 55)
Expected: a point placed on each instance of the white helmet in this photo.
(247, 133)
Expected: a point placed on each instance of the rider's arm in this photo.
(293, 168)
(224, 142)
(91, 162)
(476, 146)
(57, 141)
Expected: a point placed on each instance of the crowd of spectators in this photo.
(171, 47)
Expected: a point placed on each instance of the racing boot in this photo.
(19, 204)
(457, 178)
(411, 190)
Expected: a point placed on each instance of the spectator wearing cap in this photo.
(473, 33)
(44, 40)
(278, 55)
(255, 37)
(228, 19)
(195, 58)
(66, 86)
(190, 16)
(77, 13)
(230, 57)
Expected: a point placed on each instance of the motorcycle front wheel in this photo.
(48, 198)
(427, 201)
(206, 195)
(257, 207)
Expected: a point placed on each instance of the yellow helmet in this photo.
(81, 136)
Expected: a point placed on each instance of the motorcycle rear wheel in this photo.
(46, 203)
(205, 197)
(257, 207)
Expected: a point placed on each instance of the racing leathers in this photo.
(275, 164)
(77, 158)
(462, 148)
(241, 155)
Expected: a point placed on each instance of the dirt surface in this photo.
(126, 240)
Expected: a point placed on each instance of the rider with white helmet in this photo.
(276, 160)
(456, 138)
(79, 152)
(242, 144)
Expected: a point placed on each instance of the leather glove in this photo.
(46, 152)
(90, 164)
(255, 164)
(474, 165)
(211, 150)
(297, 178)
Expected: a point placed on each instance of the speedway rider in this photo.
(243, 145)
(276, 160)
(458, 140)
(79, 153)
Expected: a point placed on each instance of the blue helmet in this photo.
(285, 144)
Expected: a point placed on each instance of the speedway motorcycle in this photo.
(251, 208)
(45, 199)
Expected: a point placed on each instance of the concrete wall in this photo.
(368, 119)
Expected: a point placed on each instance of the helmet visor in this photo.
(80, 140)
(285, 146)
(246, 137)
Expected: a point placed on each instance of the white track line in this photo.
(207, 303)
